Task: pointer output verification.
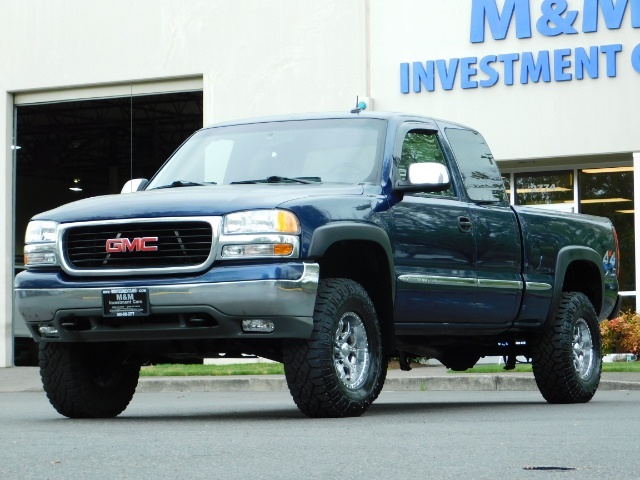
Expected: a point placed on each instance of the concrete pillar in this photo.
(636, 218)
(6, 229)
(208, 116)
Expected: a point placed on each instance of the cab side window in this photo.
(421, 146)
(480, 173)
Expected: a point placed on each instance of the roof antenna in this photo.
(360, 106)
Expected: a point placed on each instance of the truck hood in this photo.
(191, 201)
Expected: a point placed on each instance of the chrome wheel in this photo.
(567, 355)
(351, 351)
(341, 369)
(583, 350)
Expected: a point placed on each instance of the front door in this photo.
(434, 260)
(434, 239)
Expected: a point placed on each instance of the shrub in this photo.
(622, 334)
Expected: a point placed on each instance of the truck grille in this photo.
(179, 244)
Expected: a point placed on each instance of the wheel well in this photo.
(366, 263)
(583, 276)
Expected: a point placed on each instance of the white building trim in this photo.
(6, 231)
(636, 216)
(124, 89)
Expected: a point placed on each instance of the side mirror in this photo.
(134, 185)
(424, 177)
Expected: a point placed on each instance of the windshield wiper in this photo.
(276, 179)
(184, 183)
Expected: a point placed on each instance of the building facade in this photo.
(92, 93)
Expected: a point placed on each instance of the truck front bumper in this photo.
(212, 305)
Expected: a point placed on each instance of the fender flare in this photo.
(565, 257)
(326, 235)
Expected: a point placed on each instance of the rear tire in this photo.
(567, 357)
(340, 370)
(88, 380)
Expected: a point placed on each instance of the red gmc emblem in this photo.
(140, 244)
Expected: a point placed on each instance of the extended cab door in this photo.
(434, 242)
(497, 236)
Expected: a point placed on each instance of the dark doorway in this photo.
(66, 151)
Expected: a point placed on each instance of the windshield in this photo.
(306, 151)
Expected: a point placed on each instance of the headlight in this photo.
(261, 221)
(40, 231)
(40, 243)
(259, 234)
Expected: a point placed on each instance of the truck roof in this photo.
(330, 115)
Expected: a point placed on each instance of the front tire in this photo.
(87, 380)
(567, 357)
(340, 370)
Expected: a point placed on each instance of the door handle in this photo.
(464, 224)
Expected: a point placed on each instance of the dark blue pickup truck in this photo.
(330, 243)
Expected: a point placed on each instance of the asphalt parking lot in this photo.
(262, 435)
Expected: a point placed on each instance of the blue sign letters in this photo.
(553, 18)
(499, 23)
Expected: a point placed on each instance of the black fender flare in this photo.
(566, 256)
(326, 235)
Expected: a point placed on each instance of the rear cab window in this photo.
(480, 174)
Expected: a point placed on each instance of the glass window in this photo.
(328, 150)
(628, 304)
(421, 146)
(216, 159)
(480, 173)
(544, 188)
(67, 151)
(506, 179)
(608, 192)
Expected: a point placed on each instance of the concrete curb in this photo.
(618, 385)
(412, 384)
(26, 379)
(270, 383)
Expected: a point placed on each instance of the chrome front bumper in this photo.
(76, 312)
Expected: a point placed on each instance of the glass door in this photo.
(548, 190)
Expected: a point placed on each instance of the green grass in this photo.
(212, 370)
(495, 369)
(606, 367)
(621, 367)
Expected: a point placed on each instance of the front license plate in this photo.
(125, 302)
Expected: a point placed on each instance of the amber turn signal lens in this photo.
(282, 249)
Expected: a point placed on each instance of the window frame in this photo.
(401, 134)
(460, 164)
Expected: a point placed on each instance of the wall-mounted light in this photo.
(15, 147)
(543, 189)
(76, 185)
(605, 200)
(607, 170)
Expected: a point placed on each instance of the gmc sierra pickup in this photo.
(328, 242)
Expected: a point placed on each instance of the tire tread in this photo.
(552, 356)
(310, 373)
(72, 390)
